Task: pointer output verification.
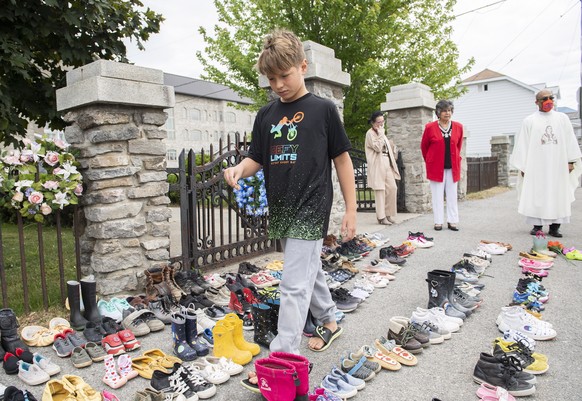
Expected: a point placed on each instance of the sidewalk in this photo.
(444, 371)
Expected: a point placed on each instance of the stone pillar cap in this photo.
(105, 81)
(408, 96)
(499, 140)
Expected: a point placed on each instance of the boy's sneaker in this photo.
(62, 346)
(517, 318)
(502, 373)
(519, 337)
(479, 253)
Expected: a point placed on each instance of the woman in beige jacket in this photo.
(382, 169)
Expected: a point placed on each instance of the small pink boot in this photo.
(277, 379)
(112, 378)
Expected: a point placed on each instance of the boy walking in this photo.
(295, 138)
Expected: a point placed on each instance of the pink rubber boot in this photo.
(302, 367)
(277, 379)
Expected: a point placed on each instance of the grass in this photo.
(488, 193)
(12, 265)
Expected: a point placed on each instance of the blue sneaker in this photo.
(338, 387)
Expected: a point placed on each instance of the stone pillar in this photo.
(116, 111)
(409, 108)
(324, 78)
(500, 148)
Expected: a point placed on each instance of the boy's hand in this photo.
(348, 229)
(232, 175)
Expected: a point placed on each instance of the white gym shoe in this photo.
(518, 336)
(481, 253)
(517, 318)
(492, 249)
(441, 312)
(421, 316)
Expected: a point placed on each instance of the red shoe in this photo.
(128, 340)
(112, 345)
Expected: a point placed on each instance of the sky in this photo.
(532, 41)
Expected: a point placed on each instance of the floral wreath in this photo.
(252, 195)
(58, 183)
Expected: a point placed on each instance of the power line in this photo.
(576, 2)
(480, 8)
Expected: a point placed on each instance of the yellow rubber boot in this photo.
(224, 344)
(237, 335)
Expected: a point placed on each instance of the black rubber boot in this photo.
(78, 322)
(89, 294)
(554, 231)
(9, 336)
(262, 318)
(192, 333)
(438, 293)
(450, 286)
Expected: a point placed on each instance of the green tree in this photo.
(41, 39)
(381, 43)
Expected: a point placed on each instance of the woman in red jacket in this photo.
(441, 149)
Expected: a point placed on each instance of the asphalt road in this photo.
(444, 371)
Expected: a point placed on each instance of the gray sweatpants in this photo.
(303, 288)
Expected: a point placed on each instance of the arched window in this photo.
(194, 114)
(196, 135)
(230, 117)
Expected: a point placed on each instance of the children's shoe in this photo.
(32, 374)
(128, 340)
(124, 365)
(107, 309)
(80, 358)
(45, 364)
(112, 378)
(107, 396)
(62, 346)
(112, 345)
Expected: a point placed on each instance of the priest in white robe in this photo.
(548, 156)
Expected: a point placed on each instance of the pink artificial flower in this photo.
(18, 197)
(78, 190)
(13, 159)
(61, 144)
(51, 158)
(45, 209)
(35, 198)
(26, 155)
(50, 185)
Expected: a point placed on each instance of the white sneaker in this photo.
(421, 316)
(378, 280)
(492, 249)
(203, 321)
(107, 309)
(359, 293)
(32, 374)
(441, 312)
(481, 253)
(419, 242)
(530, 326)
(518, 336)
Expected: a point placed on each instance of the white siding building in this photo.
(494, 104)
(203, 114)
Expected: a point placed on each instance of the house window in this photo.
(485, 87)
(196, 135)
(195, 115)
(170, 125)
(171, 154)
(230, 117)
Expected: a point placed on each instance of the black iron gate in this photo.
(215, 232)
(364, 194)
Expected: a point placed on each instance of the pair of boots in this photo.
(86, 289)
(160, 282)
(265, 319)
(441, 285)
(229, 340)
(187, 346)
(283, 377)
(9, 338)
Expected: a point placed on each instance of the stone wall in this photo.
(326, 79)
(116, 111)
(500, 148)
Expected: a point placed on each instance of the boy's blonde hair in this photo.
(282, 50)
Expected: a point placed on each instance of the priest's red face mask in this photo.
(546, 103)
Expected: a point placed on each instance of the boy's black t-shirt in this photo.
(295, 143)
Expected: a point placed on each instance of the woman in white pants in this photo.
(441, 145)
